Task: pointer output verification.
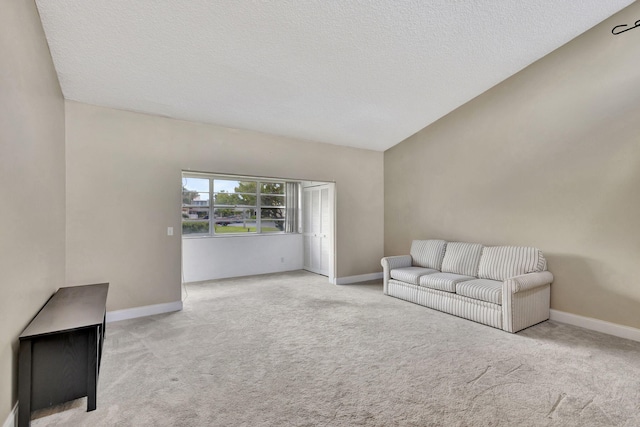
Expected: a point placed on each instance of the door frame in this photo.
(332, 198)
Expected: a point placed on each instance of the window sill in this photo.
(223, 236)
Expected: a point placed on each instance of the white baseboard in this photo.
(147, 310)
(596, 325)
(359, 278)
(12, 419)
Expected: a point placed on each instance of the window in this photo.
(195, 205)
(272, 206)
(219, 205)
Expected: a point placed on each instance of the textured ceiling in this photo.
(358, 73)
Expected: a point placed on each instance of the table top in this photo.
(70, 308)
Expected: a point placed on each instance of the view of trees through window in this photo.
(227, 206)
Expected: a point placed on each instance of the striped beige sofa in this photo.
(506, 287)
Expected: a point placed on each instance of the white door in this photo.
(317, 229)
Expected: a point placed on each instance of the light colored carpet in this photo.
(292, 350)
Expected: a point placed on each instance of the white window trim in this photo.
(259, 180)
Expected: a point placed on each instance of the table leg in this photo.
(92, 368)
(24, 384)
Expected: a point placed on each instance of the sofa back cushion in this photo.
(428, 253)
(503, 262)
(462, 258)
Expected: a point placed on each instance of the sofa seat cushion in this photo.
(462, 258)
(443, 281)
(481, 289)
(428, 253)
(503, 262)
(411, 274)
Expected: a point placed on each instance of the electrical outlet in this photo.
(169, 231)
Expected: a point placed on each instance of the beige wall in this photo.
(31, 182)
(549, 158)
(124, 190)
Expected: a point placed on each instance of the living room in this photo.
(546, 157)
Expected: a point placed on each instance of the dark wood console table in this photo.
(61, 349)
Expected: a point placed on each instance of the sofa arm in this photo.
(527, 281)
(399, 261)
(391, 262)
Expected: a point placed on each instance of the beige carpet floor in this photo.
(292, 350)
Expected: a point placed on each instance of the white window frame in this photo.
(258, 207)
